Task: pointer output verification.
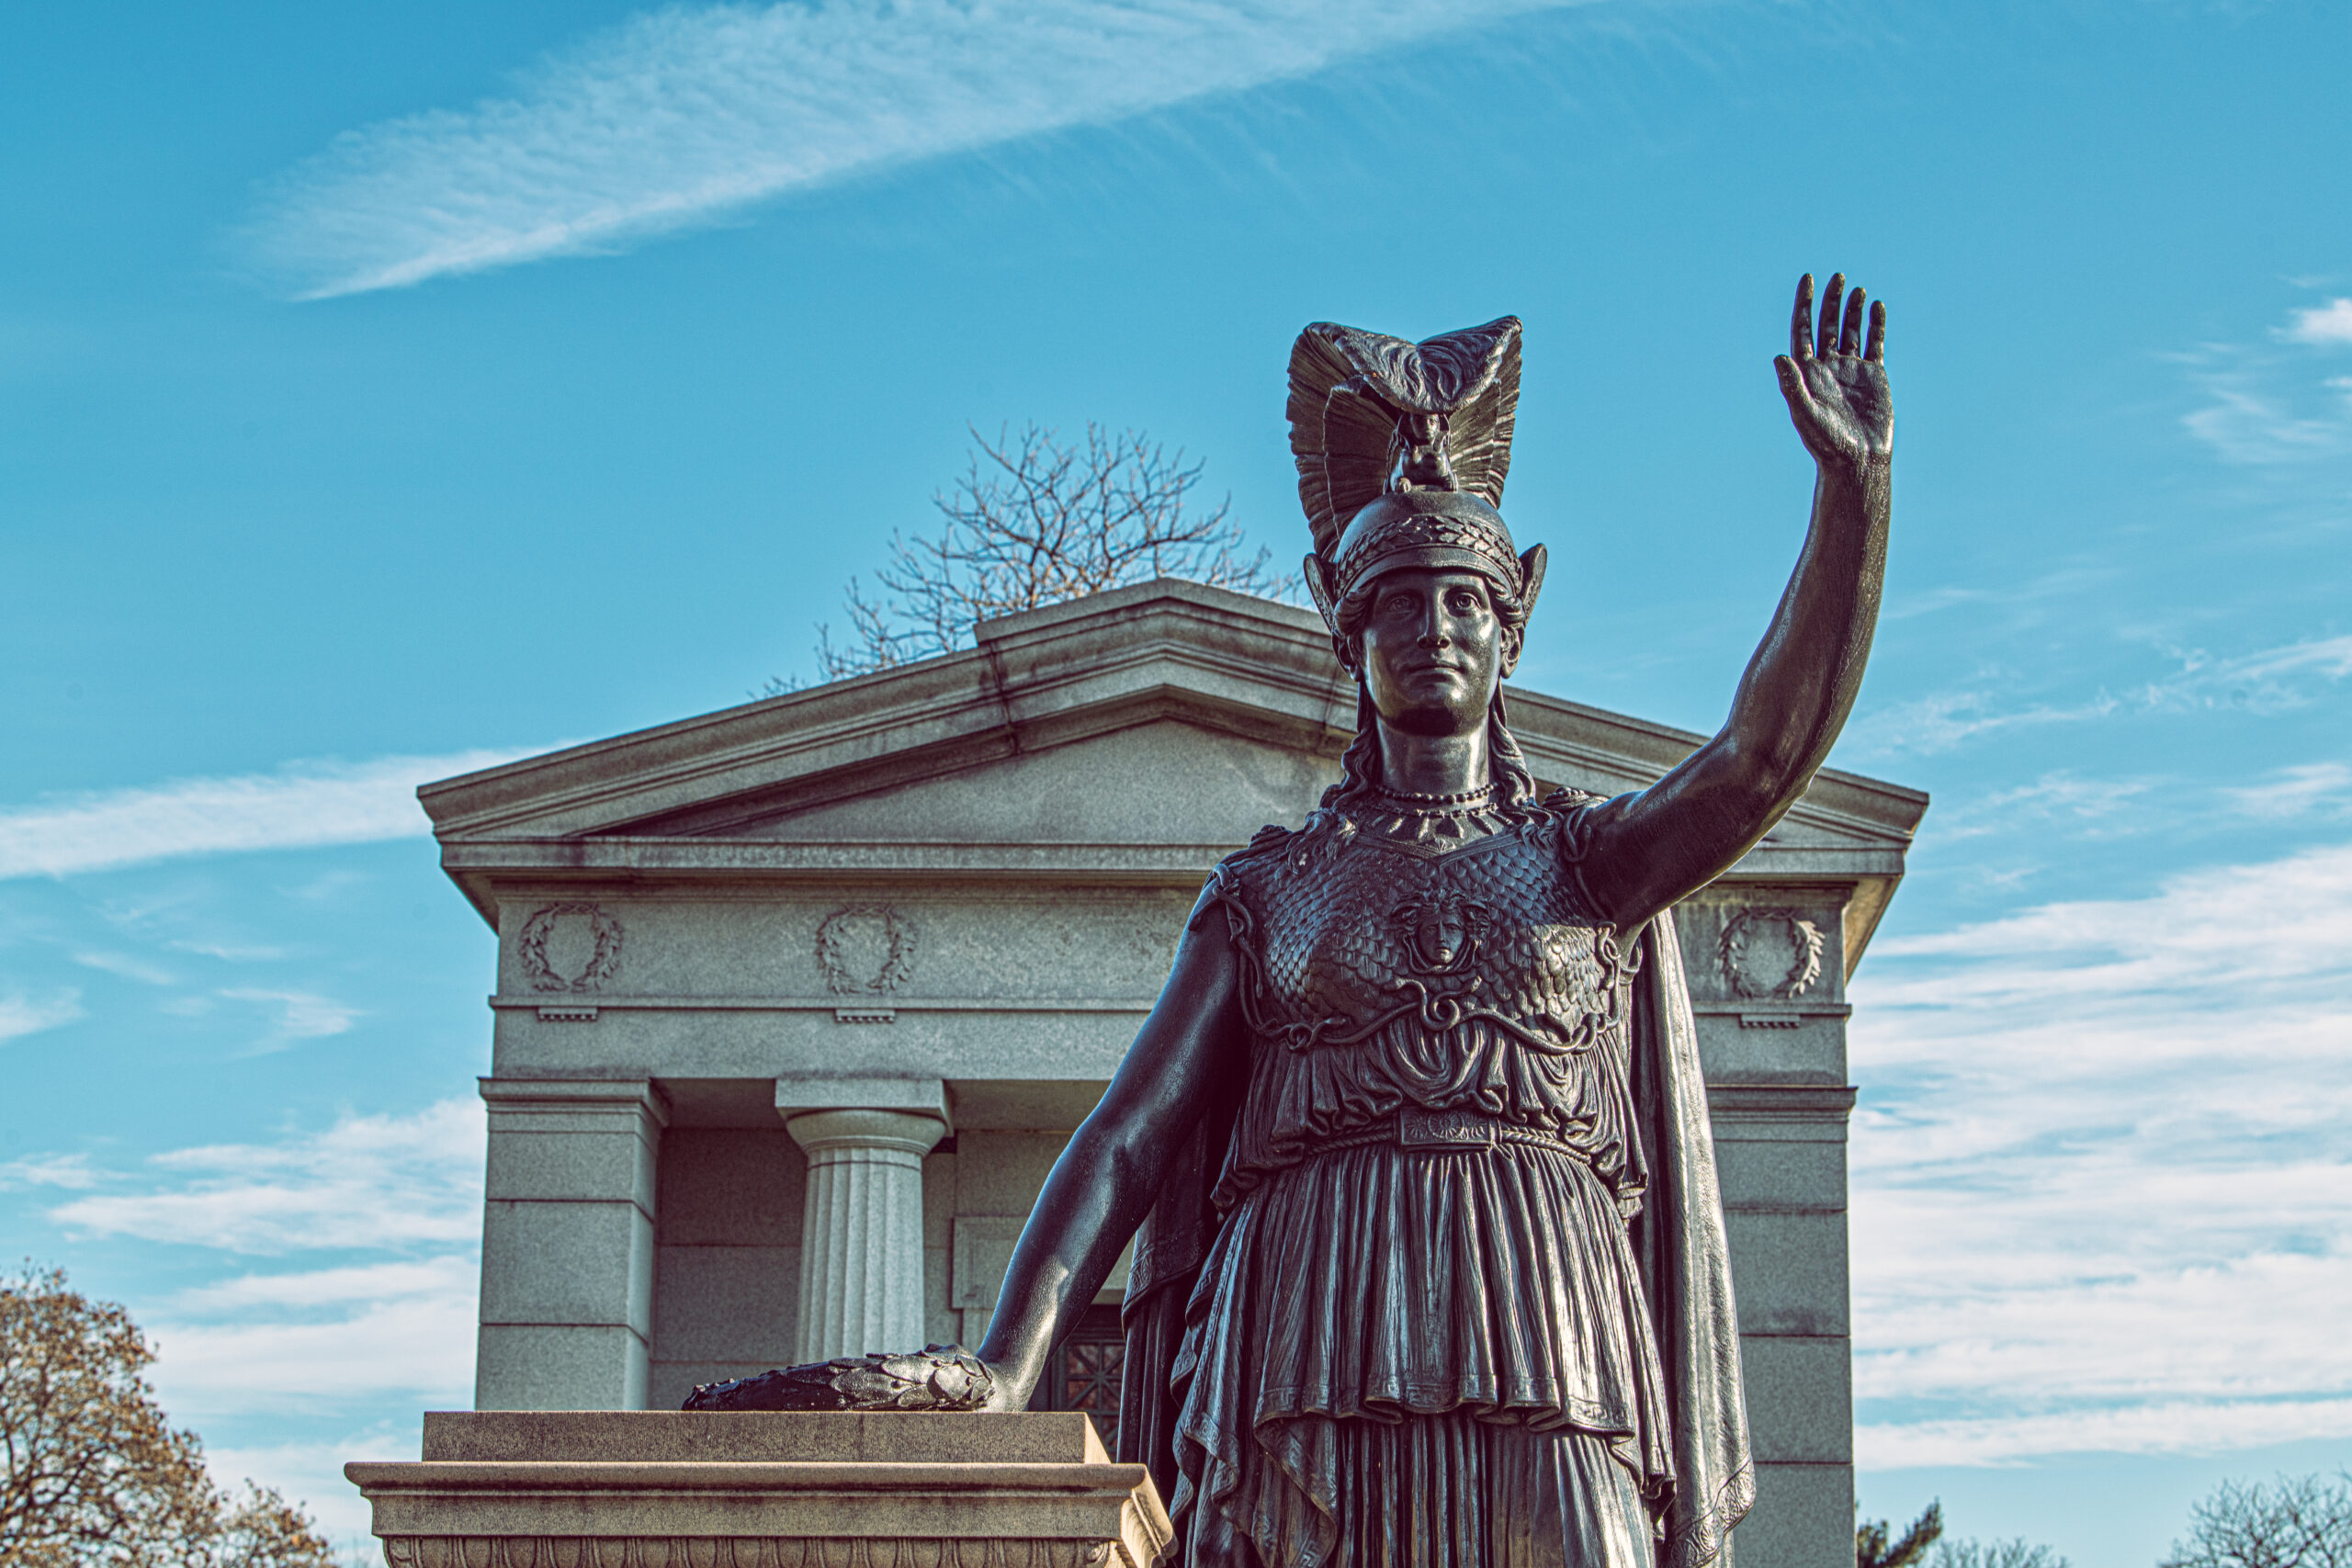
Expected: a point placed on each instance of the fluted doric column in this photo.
(860, 1232)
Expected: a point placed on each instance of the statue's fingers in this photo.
(1877, 349)
(1801, 327)
(1827, 345)
(1792, 387)
(1850, 331)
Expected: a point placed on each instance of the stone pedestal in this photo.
(861, 1246)
(657, 1489)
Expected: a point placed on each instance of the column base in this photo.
(654, 1489)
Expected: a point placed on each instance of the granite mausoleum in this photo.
(796, 1003)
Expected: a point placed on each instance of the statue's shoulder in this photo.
(1267, 848)
(1234, 878)
(1568, 813)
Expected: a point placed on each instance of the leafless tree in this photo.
(2296, 1521)
(2017, 1553)
(91, 1473)
(1035, 520)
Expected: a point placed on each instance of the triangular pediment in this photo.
(1152, 728)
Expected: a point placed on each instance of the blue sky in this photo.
(384, 391)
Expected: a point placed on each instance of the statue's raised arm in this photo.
(1649, 848)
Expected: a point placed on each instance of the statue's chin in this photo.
(1437, 718)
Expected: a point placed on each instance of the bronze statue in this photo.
(1431, 1266)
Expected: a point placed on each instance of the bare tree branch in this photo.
(1033, 522)
(2015, 1553)
(2296, 1521)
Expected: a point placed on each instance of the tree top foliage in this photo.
(92, 1475)
(1875, 1547)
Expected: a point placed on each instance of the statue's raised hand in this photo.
(1835, 377)
(939, 1377)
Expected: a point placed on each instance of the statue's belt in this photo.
(1419, 1131)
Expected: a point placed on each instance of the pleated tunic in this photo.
(1419, 1336)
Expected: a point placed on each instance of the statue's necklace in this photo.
(1406, 800)
(1426, 819)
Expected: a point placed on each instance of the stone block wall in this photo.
(567, 1314)
(1766, 964)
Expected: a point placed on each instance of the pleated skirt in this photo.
(1434, 1359)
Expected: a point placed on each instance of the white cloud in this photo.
(2087, 803)
(2307, 790)
(2216, 1427)
(416, 1339)
(1943, 720)
(2264, 409)
(2267, 681)
(329, 1287)
(368, 1181)
(421, 1345)
(2328, 323)
(20, 1014)
(301, 805)
(2271, 680)
(2249, 423)
(72, 1172)
(127, 966)
(302, 1015)
(676, 116)
(2103, 1173)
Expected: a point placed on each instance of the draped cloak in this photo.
(1697, 1470)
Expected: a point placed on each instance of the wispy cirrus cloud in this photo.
(21, 1014)
(368, 1181)
(303, 804)
(2307, 789)
(2264, 408)
(2266, 680)
(72, 1172)
(296, 1015)
(678, 117)
(2090, 1133)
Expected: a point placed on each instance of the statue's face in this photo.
(1433, 649)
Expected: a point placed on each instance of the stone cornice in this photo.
(671, 806)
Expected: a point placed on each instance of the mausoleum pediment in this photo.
(1131, 735)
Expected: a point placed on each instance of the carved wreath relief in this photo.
(569, 947)
(865, 950)
(1771, 953)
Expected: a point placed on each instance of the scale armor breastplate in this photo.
(1384, 976)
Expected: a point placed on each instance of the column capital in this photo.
(825, 1132)
(801, 1093)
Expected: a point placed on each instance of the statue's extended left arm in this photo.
(1650, 849)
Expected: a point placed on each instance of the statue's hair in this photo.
(1515, 794)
